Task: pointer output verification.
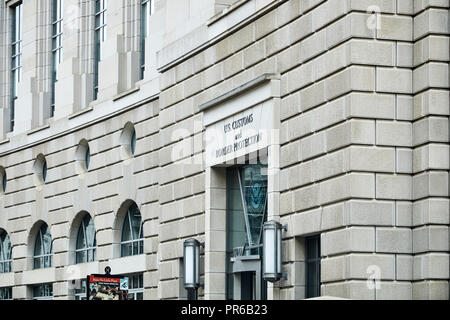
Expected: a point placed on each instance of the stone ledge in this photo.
(208, 35)
(5, 141)
(41, 128)
(39, 276)
(251, 84)
(225, 12)
(81, 112)
(126, 93)
(7, 280)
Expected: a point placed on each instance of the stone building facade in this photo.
(333, 113)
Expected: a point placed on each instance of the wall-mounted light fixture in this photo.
(272, 254)
(191, 257)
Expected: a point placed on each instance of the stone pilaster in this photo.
(431, 150)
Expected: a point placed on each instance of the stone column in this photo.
(26, 89)
(4, 71)
(215, 234)
(74, 88)
(431, 150)
(119, 68)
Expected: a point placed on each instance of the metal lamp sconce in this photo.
(191, 256)
(272, 251)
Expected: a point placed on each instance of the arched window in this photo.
(4, 180)
(128, 139)
(40, 170)
(132, 241)
(86, 241)
(43, 248)
(87, 158)
(83, 156)
(133, 143)
(5, 253)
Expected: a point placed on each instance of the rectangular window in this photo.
(85, 255)
(146, 11)
(136, 287)
(57, 33)
(132, 247)
(5, 252)
(80, 293)
(16, 57)
(43, 261)
(43, 292)
(313, 267)
(6, 294)
(99, 38)
(6, 266)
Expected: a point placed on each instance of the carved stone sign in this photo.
(238, 135)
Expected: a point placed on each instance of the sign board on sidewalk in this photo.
(107, 287)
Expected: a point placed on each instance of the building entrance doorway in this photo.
(247, 278)
(246, 214)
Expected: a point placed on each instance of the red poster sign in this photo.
(107, 287)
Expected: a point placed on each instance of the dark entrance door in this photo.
(248, 285)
